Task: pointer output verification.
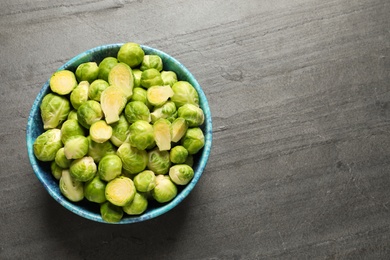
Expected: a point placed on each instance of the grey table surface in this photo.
(299, 92)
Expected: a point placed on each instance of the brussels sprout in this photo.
(137, 78)
(47, 144)
(80, 94)
(110, 167)
(122, 77)
(145, 181)
(151, 77)
(136, 110)
(169, 77)
(72, 114)
(98, 150)
(61, 159)
(105, 66)
(94, 190)
(69, 128)
(139, 94)
(131, 53)
(100, 131)
(87, 71)
(158, 161)
(192, 114)
(158, 95)
(70, 188)
(151, 62)
(181, 174)
(63, 82)
(190, 160)
(167, 111)
(83, 169)
(54, 110)
(110, 212)
(165, 189)
(56, 170)
(141, 134)
(76, 147)
(89, 112)
(120, 191)
(113, 101)
(178, 129)
(137, 206)
(120, 131)
(178, 154)
(133, 159)
(162, 134)
(193, 140)
(184, 93)
(96, 88)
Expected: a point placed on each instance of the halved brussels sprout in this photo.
(47, 144)
(181, 174)
(69, 128)
(193, 140)
(120, 131)
(54, 110)
(158, 95)
(98, 150)
(110, 167)
(122, 77)
(137, 206)
(133, 159)
(141, 134)
(61, 159)
(79, 94)
(145, 181)
(169, 77)
(165, 189)
(178, 154)
(110, 212)
(105, 66)
(151, 77)
(131, 53)
(83, 169)
(63, 82)
(113, 101)
(100, 131)
(87, 71)
(158, 161)
(89, 112)
(94, 190)
(76, 147)
(184, 93)
(56, 170)
(151, 62)
(136, 110)
(178, 129)
(70, 188)
(162, 134)
(192, 114)
(167, 111)
(120, 191)
(137, 78)
(96, 88)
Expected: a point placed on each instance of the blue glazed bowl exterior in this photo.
(89, 210)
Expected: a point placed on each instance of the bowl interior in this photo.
(91, 210)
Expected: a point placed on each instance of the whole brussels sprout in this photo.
(61, 159)
(72, 114)
(121, 76)
(139, 94)
(137, 78)
(158, 161)
(193, 140)
(178, 129)
(71, 188)
(110, 167)
(169, 77)
(151, 77)
(151, 62)
(98, 150)
(87, 71)
(120, 131)
(192, 114)
(89, 112)
(54, 110)
(110, 212)
(167, 111)
(47, 144)
(79, 95)
(120, 191)
(131, 53)
(62, 82)
(184, 93)
(100, 131)
(136, 110)
(69, 128)
(165, 189)
(94, 190)
(113, 101)
(137, 206)
(96, 88)
(181, 174)
(133, 159)
(178, 154)
(141, 134)
(145, 181)
(105, 66)
(83, 169)
(56, 170)
(190, 160)
(158, 95)
(76, 147)
(162, 134)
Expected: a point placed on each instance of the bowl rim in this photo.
(152, 213)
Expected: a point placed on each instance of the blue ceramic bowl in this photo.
(90, 210)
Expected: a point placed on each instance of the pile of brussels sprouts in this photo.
(120, 133)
